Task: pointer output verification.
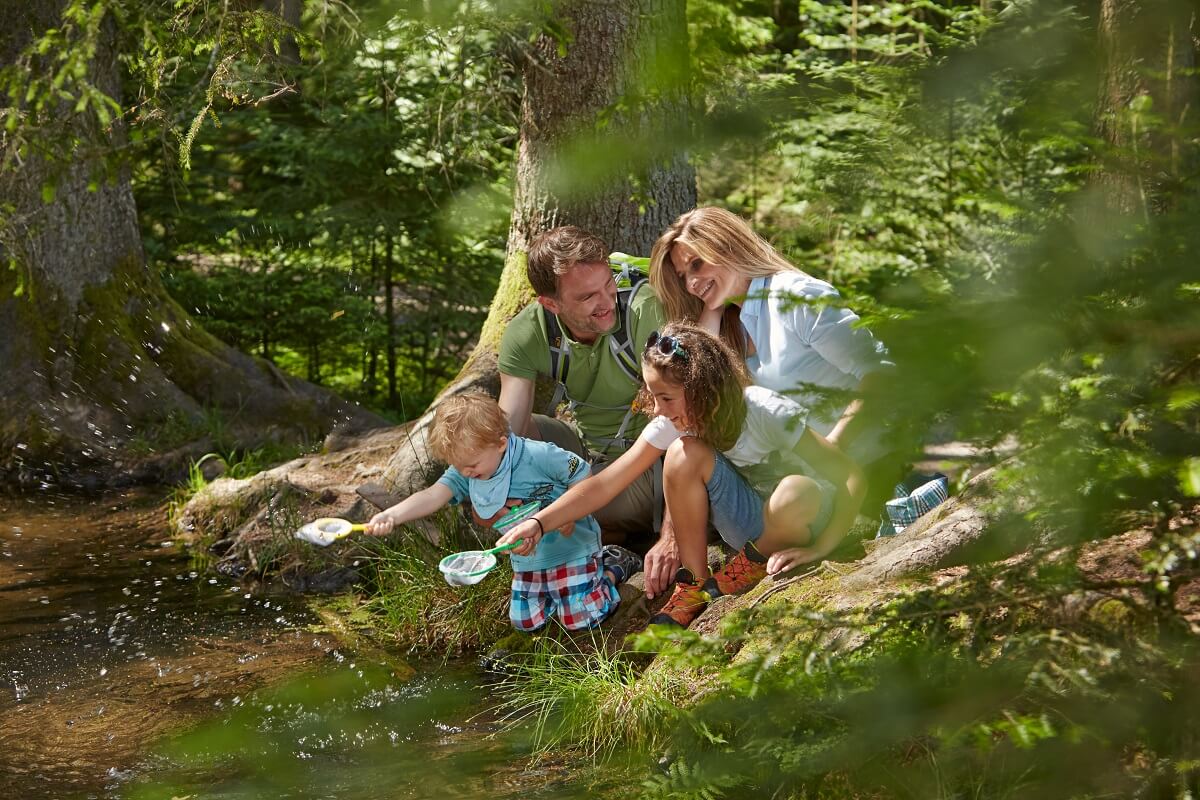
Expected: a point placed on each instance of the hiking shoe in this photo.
(623, 563)
(685, 603)
(740, 573)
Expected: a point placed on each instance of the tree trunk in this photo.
(616, 49)
(96, 354)
(389, 315)
(1147, 88)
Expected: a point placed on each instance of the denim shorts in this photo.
(736, 509)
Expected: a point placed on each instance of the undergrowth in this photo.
(413, 603)
(574, 693)
(944, 692)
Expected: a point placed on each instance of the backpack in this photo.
(631, 274)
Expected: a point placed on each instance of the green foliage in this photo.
(996, 690)
(343, 213)
(578, 692)
(347, 232)
(939, 162)
(412, 602)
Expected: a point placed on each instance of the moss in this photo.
(1111, 615)
(513, 294)
(39, 320)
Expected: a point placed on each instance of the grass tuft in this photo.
(577, 695)
(413, 602)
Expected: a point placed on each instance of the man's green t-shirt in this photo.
(596, 383)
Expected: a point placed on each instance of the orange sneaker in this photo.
(740, 573)
(685, 603)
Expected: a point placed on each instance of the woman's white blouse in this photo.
(799, 342)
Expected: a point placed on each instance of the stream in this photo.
(128, 672)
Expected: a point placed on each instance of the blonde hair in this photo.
(554, 252)
(722, 239)
(466, 422)
(712, 377)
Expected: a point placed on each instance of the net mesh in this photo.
(468, 562)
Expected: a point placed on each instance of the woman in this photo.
(711, 268)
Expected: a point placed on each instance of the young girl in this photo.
(728, 446)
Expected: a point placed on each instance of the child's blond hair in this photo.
(466, 423)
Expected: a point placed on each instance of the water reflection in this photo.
(127, 673)
(354, 733)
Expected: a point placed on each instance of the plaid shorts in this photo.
(578, 593)
(915, 497)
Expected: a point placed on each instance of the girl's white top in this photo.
(765, 452)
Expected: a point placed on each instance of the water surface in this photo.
(129, 673)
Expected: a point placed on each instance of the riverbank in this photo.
(982, 636)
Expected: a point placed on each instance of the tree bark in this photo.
(1148, 91)
(96, 354)
(617, 49)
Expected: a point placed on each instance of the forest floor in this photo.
(248, 524)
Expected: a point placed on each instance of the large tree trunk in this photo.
(1147, 93)
(616, 49)
(96, 355)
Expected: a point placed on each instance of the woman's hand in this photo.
(528, 533)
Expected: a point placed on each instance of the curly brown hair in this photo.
(712, 378)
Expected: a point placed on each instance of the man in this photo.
(577, 309)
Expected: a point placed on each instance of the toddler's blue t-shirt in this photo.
(542, 473)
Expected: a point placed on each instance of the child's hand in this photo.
(381, 524)
(568, 529)
(528, 533)
(784, 560)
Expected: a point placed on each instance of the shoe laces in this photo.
(686, 595)
(740, 566)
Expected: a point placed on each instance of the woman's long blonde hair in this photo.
(724, 240)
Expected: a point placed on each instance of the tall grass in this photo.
(412, 601)
(576, 694)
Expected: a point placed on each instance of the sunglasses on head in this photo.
(669, 346)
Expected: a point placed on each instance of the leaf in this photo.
(48, 192)
(1184, 398)
(1189, 477)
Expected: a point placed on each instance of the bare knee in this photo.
(796, 497)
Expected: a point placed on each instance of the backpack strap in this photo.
(560, 359)
(631, 277)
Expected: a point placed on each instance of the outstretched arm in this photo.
(415, 506)
(585, 497)
(847, 478)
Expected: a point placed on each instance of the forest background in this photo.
(1005, 191)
